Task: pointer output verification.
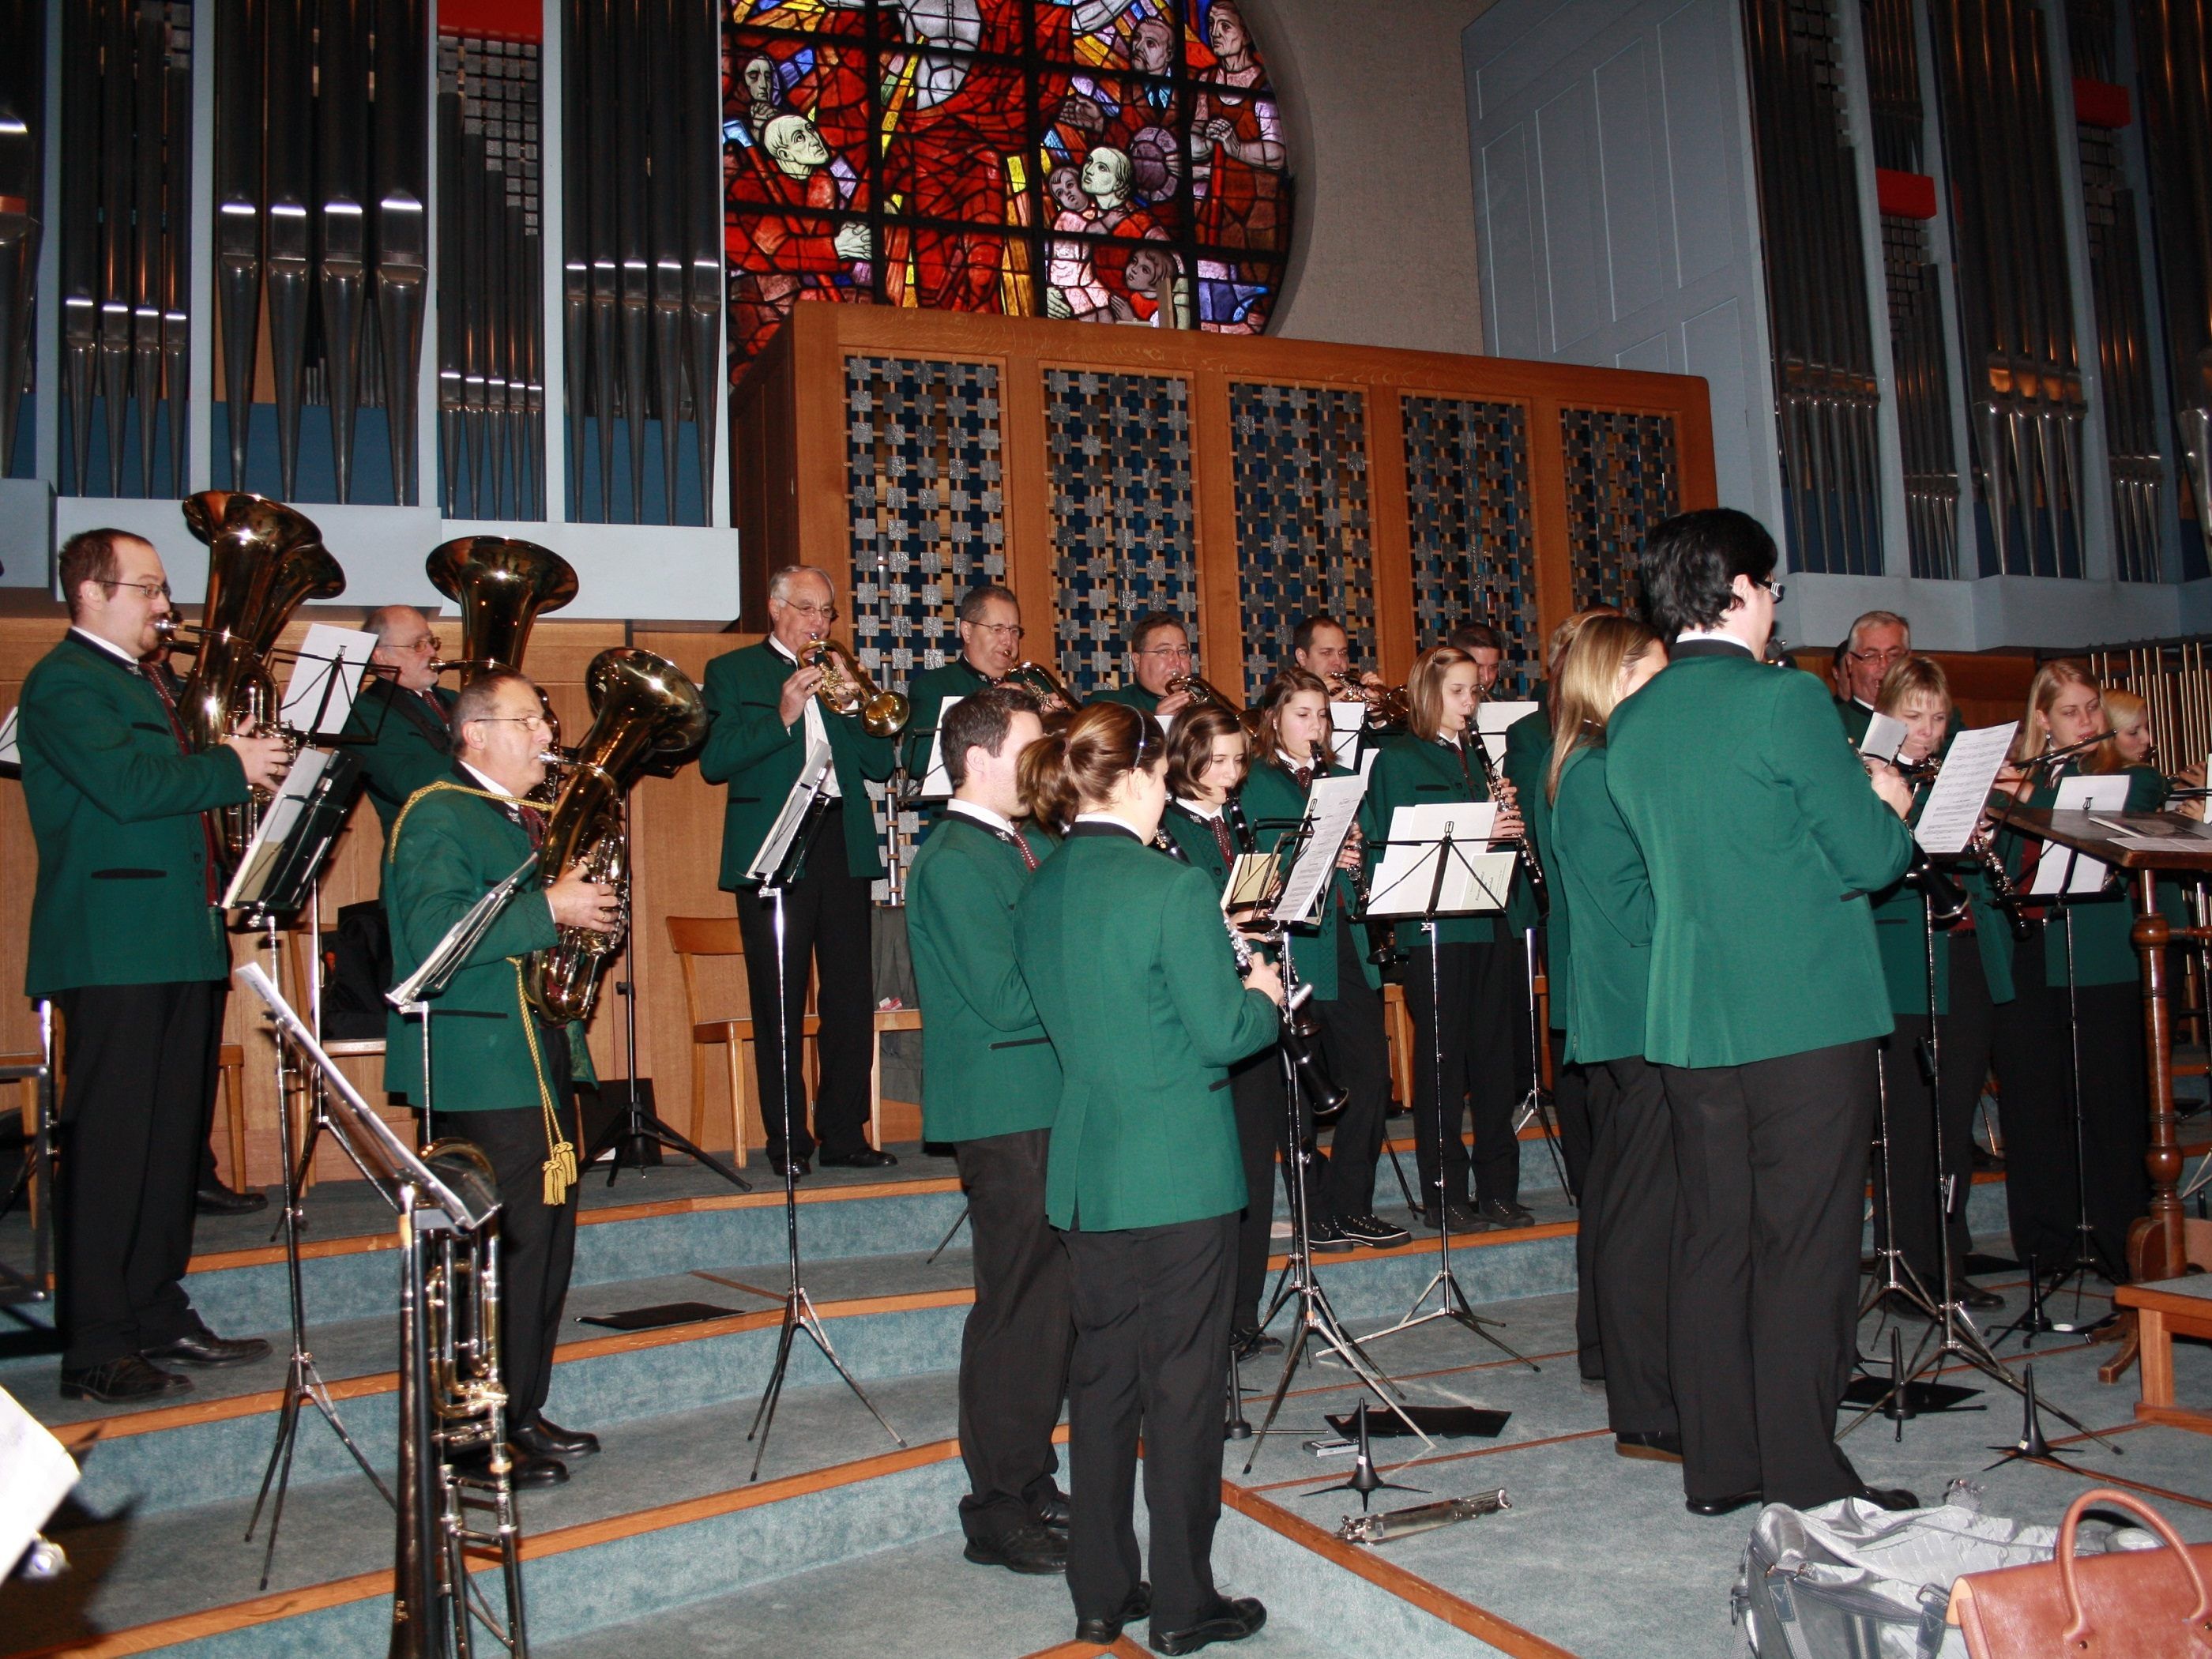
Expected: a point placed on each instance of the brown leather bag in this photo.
(2132, 1604)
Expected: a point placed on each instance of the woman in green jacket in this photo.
(1293, 752)
(1478, 1001)
(1622, 1246)
(1973, 975)
(2035, 1067)
(1132, 972)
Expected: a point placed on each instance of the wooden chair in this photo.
(28, 1087)
(230, 1077)
(1398, 1029)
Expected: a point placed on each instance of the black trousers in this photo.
(1255, 1092)
(2032, 1057)
(1151, 1341)
(1573, 1090)
(1014, 1349)
(1479, 986)
(1629, 1196)
(141, 1066)
(537, 1246)
(1965, 1039)
(827, 918)
(1357, 1052)
(1772, 1162)
(2115, 1113)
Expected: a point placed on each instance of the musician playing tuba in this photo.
(127, 943)
(500, 1076)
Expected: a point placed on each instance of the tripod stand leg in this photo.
(637, 1124)
(811, 1323)
(1282, 1388)
(959, 1221)
(764, 1416)
(280, 1466)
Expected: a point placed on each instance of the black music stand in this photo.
(17, 1286)
(1447, 851)
(775, 866)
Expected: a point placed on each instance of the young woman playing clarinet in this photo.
(1135, 981)
(1471, 1013)
(1293, 747)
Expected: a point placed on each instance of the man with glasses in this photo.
(1878, 641)
(1159, 649)
(990, 645)
(499, 1076)
(400, 721)
(126, 941)
(765, 713)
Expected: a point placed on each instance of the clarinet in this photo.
(1495, 778)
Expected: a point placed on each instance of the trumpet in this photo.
(1044, 679)
(845, 689)
(1387, 705)
(1201, 691)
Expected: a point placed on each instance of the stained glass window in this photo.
(1108, 160)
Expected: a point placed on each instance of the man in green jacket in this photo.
(499, 1076)
(1763, 839)
(125, 941)
(990, 1084)
(1159, 649)
(399, 724)
(765, 715)
(990, 645)
(1878, 641)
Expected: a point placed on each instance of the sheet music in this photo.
(325, 678)
(2061, 870)
(278, 819)
(1254, 880)
(10, 754)
(1491, 720)
(35, 1474)
(812, 771)
(1885, 736)
(1346, 720)
(1474, 880)
(1962, 788)
(1331, 808)
(936, 781)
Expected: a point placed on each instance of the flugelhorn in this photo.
(1202, 690)
(845, 689)
(1387, 705)
(1044, 679)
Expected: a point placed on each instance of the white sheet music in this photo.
(35, 1474)
(936, 781)
(278, 819)
(2061, 870)
(1491, 719)
(1962, 789)
(10, 754)
(325, 678)
(1330, 809)
(1475, 878)
(1885, 736)
(1346, 721)
(812, 771)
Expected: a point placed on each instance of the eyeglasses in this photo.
(511, 719)
(1773, 588)
(1174, 653)
(149, 589)
(1004, 630)
(430, 642)
(827, 612)
(1897, 655)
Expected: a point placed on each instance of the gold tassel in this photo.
(560, 1172)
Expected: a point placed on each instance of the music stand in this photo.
(775, 866)
(17, 1286)
(1477, 889)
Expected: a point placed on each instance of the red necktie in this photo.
(533, 825)
(1022, 846)
(1305, 778)
(1221, 839)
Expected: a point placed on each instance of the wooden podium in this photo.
(2155, 1245)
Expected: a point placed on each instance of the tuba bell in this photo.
(501, 583)
(642, 707)
(265, 561)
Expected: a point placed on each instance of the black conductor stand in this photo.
(798, 1313)
(1318, 1326)
(1452, 1299)
(1951, 1334)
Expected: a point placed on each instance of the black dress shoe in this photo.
(1031, 1548)
(525, 1467)
(204, 1348)
(1504, 1213)
(121, 1381)
(1250, 1344)
(1053, 1512)
(790, 1166)
(1463, 1218)
(1653, 1445)
(1232, 1621)
(1728, 1506)
(549, 1439)
(1135, 1610)
(215, 1198)
(1973, 1297)
(867, 1158)
(1886, 1497)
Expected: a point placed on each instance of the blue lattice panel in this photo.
(1122, 514)
(926, 511)
(1299, 463)
(1467, 520)
(1623, 477)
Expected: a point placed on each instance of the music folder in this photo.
(796, 815)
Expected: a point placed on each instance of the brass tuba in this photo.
(500, 585)
(265, 561)
(642, 706)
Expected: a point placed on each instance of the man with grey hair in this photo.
(990, 629)
(766, 714)
(1878, 641)
(399, 722)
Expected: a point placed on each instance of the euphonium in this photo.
(845, 689)
(265, 561)
(500, 585)
(642, 706)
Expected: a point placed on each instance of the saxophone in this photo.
(643, 707)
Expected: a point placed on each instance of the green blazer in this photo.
(927, 693)
(1411, 771)
(401, 741)
(121, 895)
(1763, 839)
(2102, 924)
(450, 844)
(1599, 873)
(1195, 838)
(1130, 968)
(988, 1068)
(1272, 792)
(1528, 763)
(751, 750)
(1132, 695)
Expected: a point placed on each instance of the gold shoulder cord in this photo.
(560, 1166)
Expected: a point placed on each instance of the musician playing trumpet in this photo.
(401, 723)
(766, 710)
(1159, 653)
(499, 1076)
(991, 636)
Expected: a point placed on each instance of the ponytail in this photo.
(1075, 768)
